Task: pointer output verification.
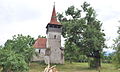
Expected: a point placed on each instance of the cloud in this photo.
(26, 17)
(21, 10)
(28, 27)
(110, 28)
(31, 16)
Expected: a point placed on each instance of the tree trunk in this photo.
(97, 59)
(95, 62)
(70, 60)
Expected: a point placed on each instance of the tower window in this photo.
(54, 36)
(39, 50)
(55, 26)
(51, 26)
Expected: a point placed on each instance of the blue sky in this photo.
(30, 17)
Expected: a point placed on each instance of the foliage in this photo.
(1, 47)
(22, 45)
(17, 53)
(83, 58)
(83, 32)
(71, 53)
(41, 36)
(12, 61)
(107, 58)
(116, 58)
(93, 37)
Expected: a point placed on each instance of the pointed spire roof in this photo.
(54, 17)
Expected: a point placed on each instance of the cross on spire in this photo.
(54, 3)
(54, 17)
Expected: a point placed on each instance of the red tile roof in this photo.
(54, 17)
(40, 43)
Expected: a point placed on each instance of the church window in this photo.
(55, 26)
(54, 36)
(51, 26)
(62, 55)
(58, 26)
(39, 50)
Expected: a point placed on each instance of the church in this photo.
(49, 49)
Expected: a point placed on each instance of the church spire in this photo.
(54, 17)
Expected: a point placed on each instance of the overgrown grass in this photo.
(74, 67)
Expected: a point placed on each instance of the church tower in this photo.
(54, 29)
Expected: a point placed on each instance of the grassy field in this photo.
(74, 67)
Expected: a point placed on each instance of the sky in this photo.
(30, 17)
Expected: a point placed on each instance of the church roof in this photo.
(40, 43)
(54, 17)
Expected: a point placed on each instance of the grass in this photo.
(74, 67)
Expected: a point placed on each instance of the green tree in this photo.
(70, 26)
(83, 58)
(116, 57)
(21, 45)
(17, 53)
(84, 32)
(107, 58)
(10, 61)
(39, 36)
(71, 53)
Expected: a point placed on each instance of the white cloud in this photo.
(108, 50)
(31, 16)
(110, 28)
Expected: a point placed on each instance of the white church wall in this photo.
(40, 55)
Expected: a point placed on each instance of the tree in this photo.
(70, 26)
(10, 61)
(22, 45)
(39, 36)
(116, 57)
(84, 32)
(93, 37)
(17, 53)
(71, 53)
(107, 58)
